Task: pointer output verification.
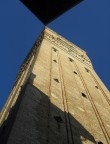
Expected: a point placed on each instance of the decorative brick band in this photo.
(69, 48)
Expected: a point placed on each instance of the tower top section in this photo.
(67, 46)
(48, 10)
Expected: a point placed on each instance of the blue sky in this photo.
(86, 25)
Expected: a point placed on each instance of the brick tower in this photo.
(57, 98)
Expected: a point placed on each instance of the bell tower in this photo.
(57, 98)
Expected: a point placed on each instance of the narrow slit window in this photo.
(54, 49)
(56, 80)
(70, 59)
(55, 61)
(96, 87)
(75, 72)
(84, 95)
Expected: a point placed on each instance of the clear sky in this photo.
(86, 25)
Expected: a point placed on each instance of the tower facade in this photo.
(57, 98)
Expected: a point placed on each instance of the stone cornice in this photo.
(48, 30)
(67, 47)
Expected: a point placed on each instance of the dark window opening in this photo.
(99, 142)
(70, 59)
(58, 119)
(56, 80)
(75, 72)
(86, 70)
(55, 61)
(84, 95)
(96, 87)
(54, 49)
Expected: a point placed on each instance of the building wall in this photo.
(62, 100)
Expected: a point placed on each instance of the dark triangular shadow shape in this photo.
(48, 10)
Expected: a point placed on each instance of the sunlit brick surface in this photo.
(61, 101)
